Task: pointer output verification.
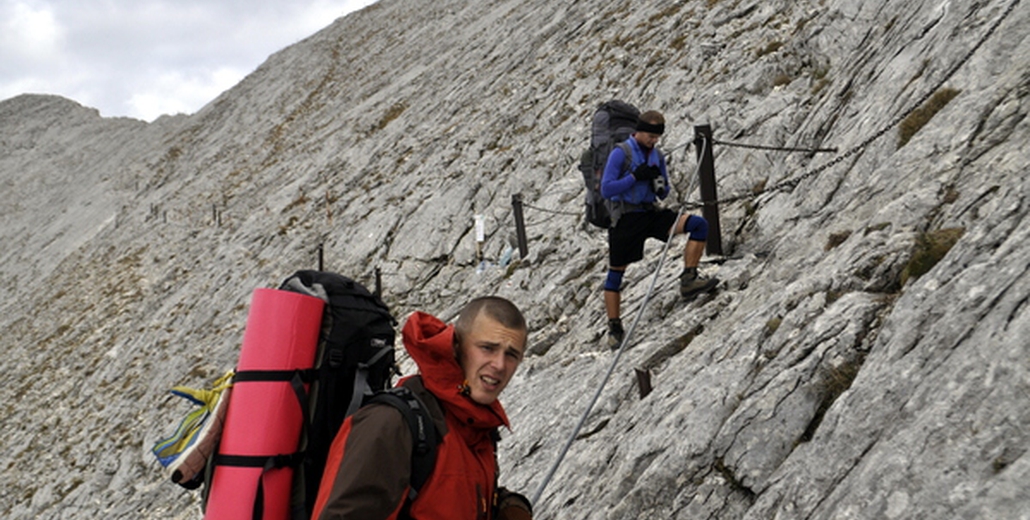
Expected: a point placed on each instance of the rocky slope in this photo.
(866, 356)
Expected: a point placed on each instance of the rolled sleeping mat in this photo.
(253, 468)
(185, 453)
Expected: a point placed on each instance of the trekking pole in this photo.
(611, 368)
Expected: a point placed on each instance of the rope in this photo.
(615, 361)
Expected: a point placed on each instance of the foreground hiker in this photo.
(632, 187)
(462, 371)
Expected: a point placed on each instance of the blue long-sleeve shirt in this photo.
(620, 185)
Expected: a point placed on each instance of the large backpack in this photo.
(355, 359)
(613, 122)
(354, 365)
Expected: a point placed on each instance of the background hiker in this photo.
(635, 178)
(462, 370)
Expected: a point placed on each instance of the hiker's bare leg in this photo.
(681, 224)
(694, 249)
(612, 302)
(612, 297)
(692, 253)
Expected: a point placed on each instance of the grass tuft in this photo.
(392, 113)
(836, 239)
(834, 382)
(769, 48)
(922, 115)
(929, 249)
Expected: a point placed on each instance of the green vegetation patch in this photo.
(834, 381)
(394, 112)
(929, 249)
(769, 48)
(922, 115)
(836, 239)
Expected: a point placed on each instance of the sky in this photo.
(145, 58)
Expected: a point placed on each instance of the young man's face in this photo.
(489, 354)
(647, 139)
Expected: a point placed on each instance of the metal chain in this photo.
(774, 148)
(792, 183)
(553, 211)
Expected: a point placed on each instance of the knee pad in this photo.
(697, 227)
(614, 281)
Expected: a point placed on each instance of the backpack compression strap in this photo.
(296, 379)
(361, 386)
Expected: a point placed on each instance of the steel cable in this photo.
(788, 183)
(614, 363)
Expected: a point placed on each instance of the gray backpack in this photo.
(612, 124)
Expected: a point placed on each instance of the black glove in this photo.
(513, 506)
(646, 172)
(514, 513)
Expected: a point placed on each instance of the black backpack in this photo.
(613, 122)
(355, 359)
(353, 367)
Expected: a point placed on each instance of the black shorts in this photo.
(626, 240)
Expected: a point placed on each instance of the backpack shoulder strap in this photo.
(424, 435)
(628, 161)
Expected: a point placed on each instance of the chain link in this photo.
(774, 148)
(792, 183)
(552, 211)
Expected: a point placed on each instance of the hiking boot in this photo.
(615, 333)
(692, 284)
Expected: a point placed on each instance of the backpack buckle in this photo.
(335, 358)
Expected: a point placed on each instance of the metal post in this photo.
(379, 283)
(480, 236)
(643, 381)
(703, 143)
(321, 259)
(520, 224)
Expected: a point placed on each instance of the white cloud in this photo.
(144, 58)
(178, 93)
(29, 34)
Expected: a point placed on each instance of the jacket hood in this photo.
(430, 342)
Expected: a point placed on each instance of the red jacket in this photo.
(369, 464)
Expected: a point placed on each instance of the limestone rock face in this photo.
(866, 355)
